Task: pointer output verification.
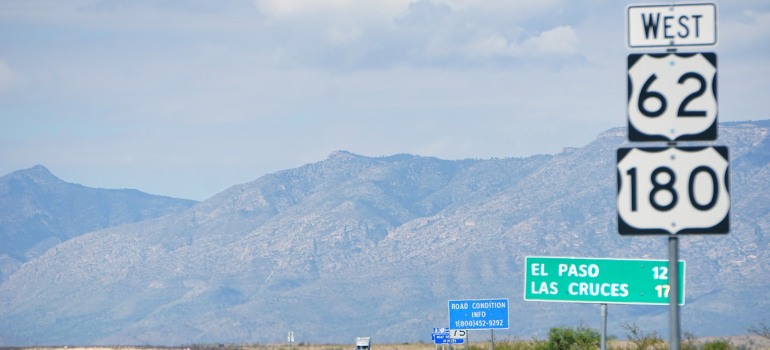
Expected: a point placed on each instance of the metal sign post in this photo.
(672, 97)
(673, 307)
(603, 344)
(492, 339)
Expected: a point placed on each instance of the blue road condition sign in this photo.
(478, 314)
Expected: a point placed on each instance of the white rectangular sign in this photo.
(671, 25)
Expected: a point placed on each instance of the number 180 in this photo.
(663, 180)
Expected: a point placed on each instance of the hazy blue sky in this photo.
(186, 98)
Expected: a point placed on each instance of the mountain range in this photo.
(360, 246)
(39, 211)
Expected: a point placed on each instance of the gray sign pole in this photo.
(493, 340)
(673, 294)
(603, 344)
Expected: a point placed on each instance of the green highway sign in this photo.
(596, 280)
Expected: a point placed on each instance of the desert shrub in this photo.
(516, 345)
(506, 345)
(641, 340)
(568, 338)
(718, 345)
(689, 342)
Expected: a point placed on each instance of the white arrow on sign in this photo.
(458, 334)
(673, 190)
(672, 97)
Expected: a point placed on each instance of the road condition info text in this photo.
(478, 314)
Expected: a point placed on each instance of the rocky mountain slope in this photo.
(355, 245)
(39, 210)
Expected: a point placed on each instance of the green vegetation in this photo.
(688, 343)
(559, 338)
(224, 347)
(718, 345)
(568, 338)
(508, 345)
(641, 340)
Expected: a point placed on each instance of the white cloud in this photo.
(750, 30)
(172, 85)
(557, 41)
(562, 40)
(344, 35)
(490, 45)
(350, 34)
(513, 10)
(283, 9)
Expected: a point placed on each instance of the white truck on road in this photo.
(363, 343)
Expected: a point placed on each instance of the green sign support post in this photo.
(603, 281)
